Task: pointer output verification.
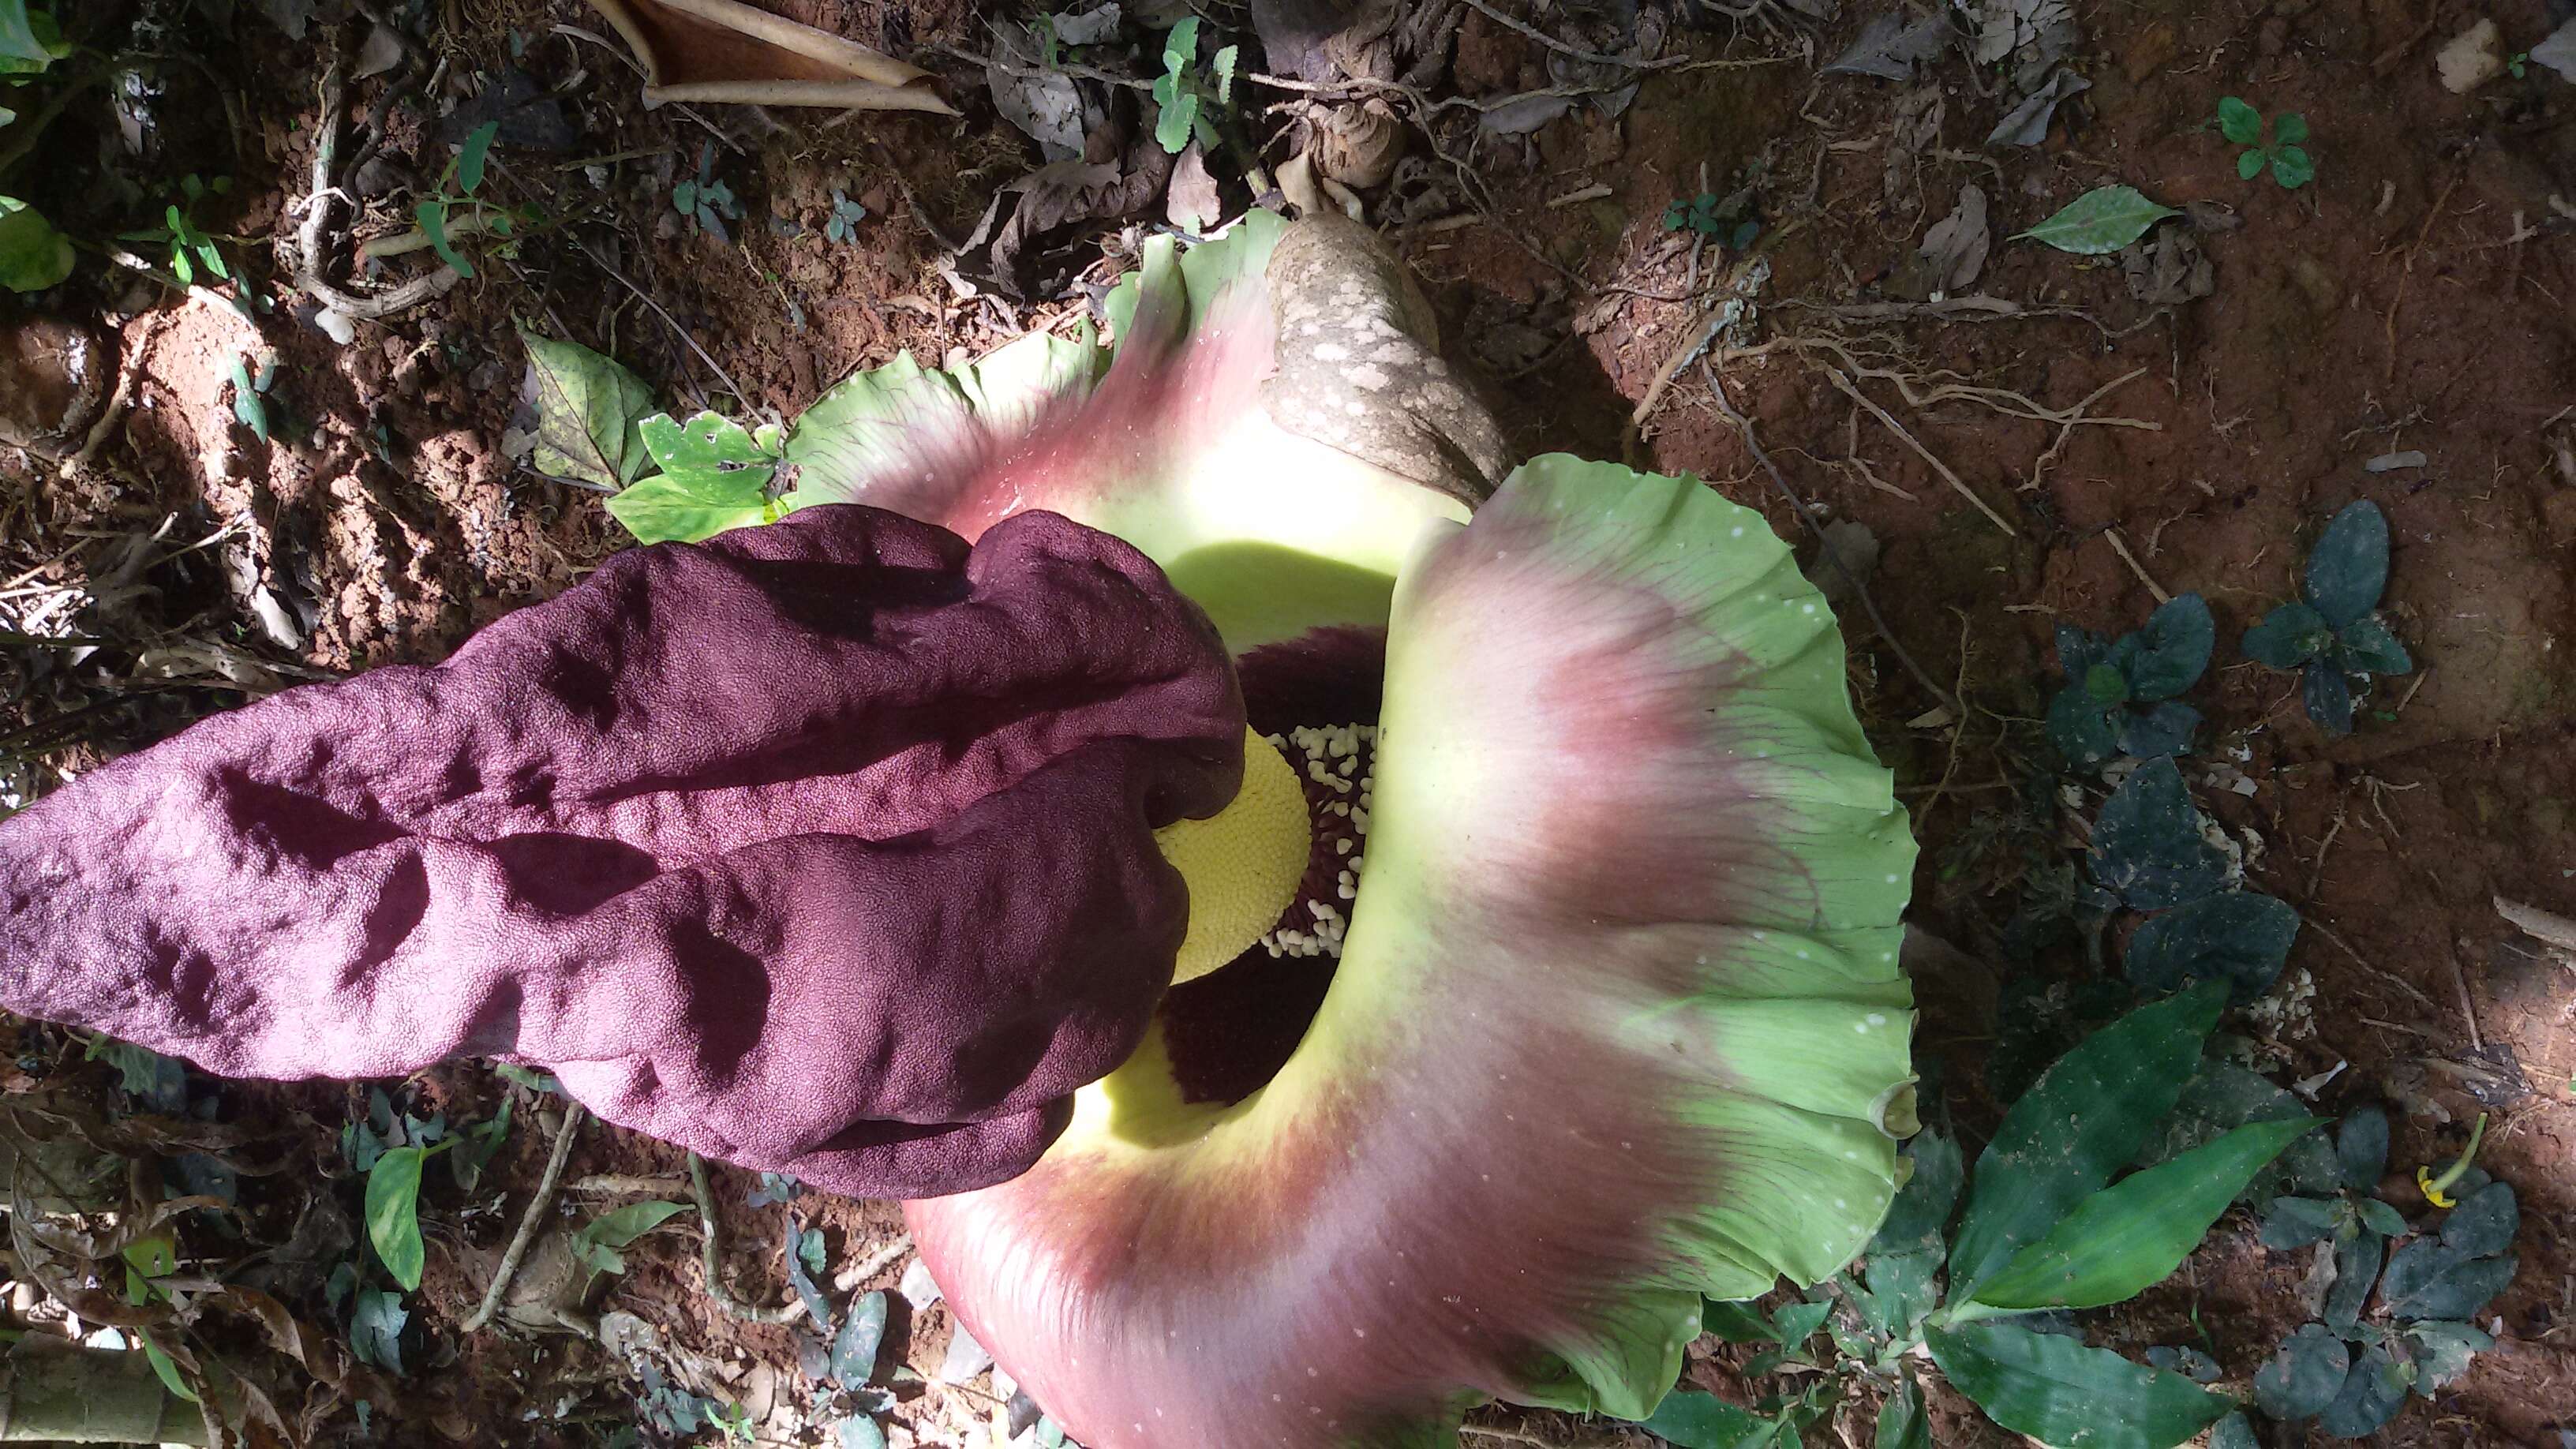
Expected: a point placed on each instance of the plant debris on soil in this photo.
(1982, 301)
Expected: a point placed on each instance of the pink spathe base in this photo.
(823, 847)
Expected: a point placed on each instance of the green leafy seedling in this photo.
(393, 1209)
(250, 394)
(843, 224)
(1712, 216)
(438, 216)
(2099, 222)
(599, 1245)
(2281, 150)
(2119, 698)
(1185, 96)
(703, 201)
(2332, 634)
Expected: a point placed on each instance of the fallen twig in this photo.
(711, 1249)
(1888, 420)
(2120, 546)
(529, 1221)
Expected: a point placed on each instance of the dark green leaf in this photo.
(1795, 1323)
(1902, 1423)
(2239, 937)
(480, 1144)
(2290, 129)
(2292, 168)
(2357, 1256)
(2239, 122)
(801, 1279)
(1734, 1322)
(854, 1349)
(469, 160)
(432, 216)
(2249, 164)
(2443, 1351)
(2371, 1396)
(2085, 1117)
(2348, 569)
(2100, 221)
(2295, 1222)
(166, 1369)
(2361, 1146)
(2233, 1432)
(2484, 1223)
(1922, 1206)
(2174, 648)
(2380, 1218)
(375, 1329)
(2223, 1095)
(624, 1225)
(2056, 1390)
(658, 510)
(1901, 1290)
(1688, 1419)
(2082, 730)
(2328, 697)
(2288, 637)
(33, 256)
(2429, 1279)
(2163, 730)
(587, 411)
(2365, 646)
(2078, 650)
(2147, 843)
(2304, 1375)
(860, 1431)
(393, 1213)
(247, 407)
(2106, 686)
(2134, 1233)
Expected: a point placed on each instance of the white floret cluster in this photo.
(1337, 759)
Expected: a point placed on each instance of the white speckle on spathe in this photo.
(1861, 1026)
(1893, 878)
(1878, 1018)
(1841, 1203)
(1808, 609)
(1736, 532)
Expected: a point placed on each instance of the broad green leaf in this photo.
(2147, 843)
(2164, 730)
(1224, 65)
(860, 1431)
(2371, 1396)
(2249, 164)
(2221, 1096)
(599, 1242)
(2063, 1394)
(470, 159)
(2358, 1253)
(2327, 696)
(587, 410)
(1795, 1323)
(2292, 168)
(1735, 1322)
(2106, 686)
(2133, 1234)
(854, 1348)
(2085, 1118)
(2295, 1222)
(1922, 1206)
(2288, 637)
(659, 510)
(2484, 1223)
(2361, 1146)
(802, 1264)
(2081, 729)
(2442, 1352)
(393, 1213)
(2239, 937)
(2304, 1376)
(2239, 122)
(33, 256)
(2173, 648)
(432, 217)
(711, 458)
(2380, 1218)
(1902, 1423)
(2102, 220)
(2078, 650)
(2348, 569)
(375, 1329)
(2365, 646)
(2290, 129)
(1688, 1419)
(2233, 1432)
(2429, 1279)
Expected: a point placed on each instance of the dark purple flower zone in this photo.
(824, 847)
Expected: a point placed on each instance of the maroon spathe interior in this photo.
(1231, 1030)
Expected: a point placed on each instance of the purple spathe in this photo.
(823, 847)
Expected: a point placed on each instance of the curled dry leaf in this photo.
(723, 50)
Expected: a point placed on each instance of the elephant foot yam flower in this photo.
(824, 848)
(1587, 1002)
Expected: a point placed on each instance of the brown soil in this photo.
(2417, 296)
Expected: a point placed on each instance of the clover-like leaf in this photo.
(2327, 696)
(2100, 221)
(2288, 637)
(2078, 650)
(2365, 646)
(2240, 937)
(2380, 1218)
(2431, 1279)
(2289, 128)
(2147, 844)
(2304, 1375)
(2348, 569)
(2249, 164)
(2292, 167)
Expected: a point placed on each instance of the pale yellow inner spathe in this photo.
(1243, 863)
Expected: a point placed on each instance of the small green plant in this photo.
(599, 1245)
(705, 202)
(2332, 633)
(1714, 216)
(191, 249)
(2119, 698)
(2046, 1228)
(250, 394)
(2519, 65)
(438, 215)
(1185, 95)
(2152, 853)
(843, 224)
(2282, 152)
(33, 256)
(2349, 1373)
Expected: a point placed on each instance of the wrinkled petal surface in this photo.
(1618, 1023)
(823, 847)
